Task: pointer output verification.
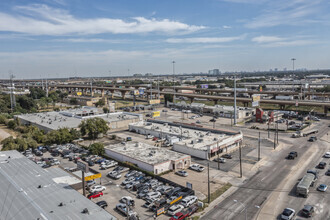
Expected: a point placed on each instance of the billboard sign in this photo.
(156, 114)
(154, 101)
(160, 211)
(255, 104)
(204, 86)
(256, 98)
(81, 165)
(92, 177)
(79, 93)
(141, 91)
(136, 92)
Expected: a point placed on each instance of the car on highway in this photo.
(322, 165)
(327, 155)
(97, 188)
(288, 214)
(227, 156)
(95, 195)
(182, 173)
(103, 204)
(312, 139)
(307, 211)
(196, 167)
(322, 188)
(328, 172)
(220, 160)
(292, 155)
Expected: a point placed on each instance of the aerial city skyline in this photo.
(78, 38)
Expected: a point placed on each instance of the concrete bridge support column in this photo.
(246, 104)
(102, 92)
(123, 93)
(282, 107)
(191, 99)
(92, 92)
(326, 110)
(216, 101)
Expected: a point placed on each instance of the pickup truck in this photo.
(185, 213)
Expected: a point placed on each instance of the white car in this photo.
(327, 155)
(189, 200)
(288, 214)
(182, 173)
(174, 209)
(153, 195)
(97, 188)
(196, 167)
(127, 200)
(149, 136)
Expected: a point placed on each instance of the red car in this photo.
(95, 195)
(179, 216)
(155, 139)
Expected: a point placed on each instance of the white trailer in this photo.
(305, 183)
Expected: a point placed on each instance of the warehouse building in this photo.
(28, 191)
(49, 121)
(199, 142)
(149, 158)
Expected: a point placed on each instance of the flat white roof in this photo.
(146, 153)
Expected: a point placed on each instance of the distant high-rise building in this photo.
(214, 72)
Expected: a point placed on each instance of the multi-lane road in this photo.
(271, 189)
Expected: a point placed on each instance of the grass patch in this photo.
(195, 218)
(218, 193)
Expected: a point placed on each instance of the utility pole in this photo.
(259, 147)
(173, 62)
(274, 139)
(218, 155)
(12, 92)
(235, 116)
(158, 87)
(208, 184)
(240, 161)
(91, 87)
(293, 59)
(268, 128)
(277, 132)
(46, 87)
(83, 182)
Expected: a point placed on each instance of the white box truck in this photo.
(305, 183)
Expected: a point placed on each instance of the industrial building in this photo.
(30, 192)
(195, 141)
(49, 121)
(149, 158)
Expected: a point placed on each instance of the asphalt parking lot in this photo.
(114, 191)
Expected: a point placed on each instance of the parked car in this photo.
(103, 204)
(322, 165)
(196, 167)
(307, 211)
(189, 200)
(153, 195)
(128, 180)
(90, 182)
(127, 200)
(121, 207)
(174, 209)
(322, 188)
(114, 175)
(182, 173)
(97, 188)
(227, 156)
(95, 195)
(129, 139)
(328, 172)
(288, 214)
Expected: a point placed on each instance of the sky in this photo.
(84, 38)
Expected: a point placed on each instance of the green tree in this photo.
(93, 127)
(60, 136)
(75, 133)
(97, 149)
(26, 102)
(73, 101)
(12, 124)
(168, 98)
(106, 110)
(100, 103)
(37, 93)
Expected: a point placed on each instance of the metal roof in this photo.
(28, 191)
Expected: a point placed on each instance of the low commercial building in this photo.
(30, 192)
(85, 100)
(195, 141)
(150, 158)
(49, 121)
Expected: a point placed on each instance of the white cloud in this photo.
(90, 40)
(44, 20)
(283, 12)
(204, 39)
(291, 43)
(267, 39)
(226, 27)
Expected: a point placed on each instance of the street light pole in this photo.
(235, 113)
(173, 62)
